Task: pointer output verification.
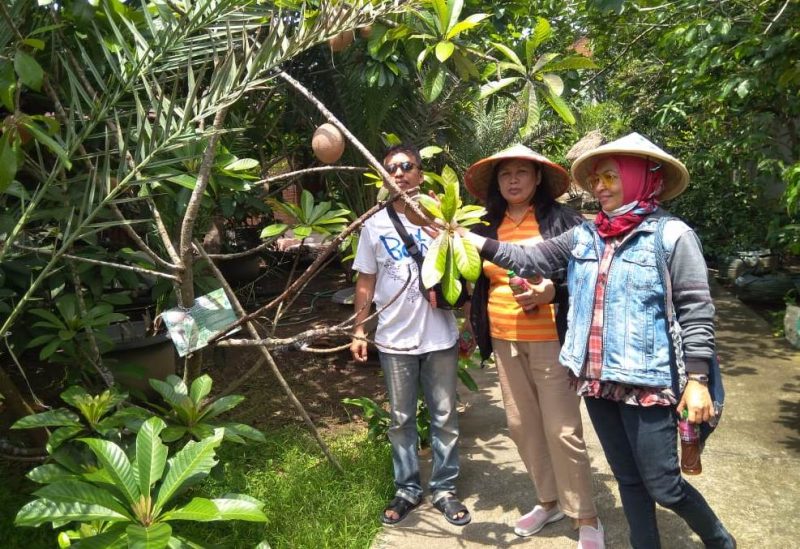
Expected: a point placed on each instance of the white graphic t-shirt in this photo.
(409, 323)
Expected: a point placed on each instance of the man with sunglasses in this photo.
(416, 346)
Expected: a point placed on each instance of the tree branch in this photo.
(237, 306)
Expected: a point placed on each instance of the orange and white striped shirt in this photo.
(507, 320)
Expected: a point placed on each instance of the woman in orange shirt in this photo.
(525, 331)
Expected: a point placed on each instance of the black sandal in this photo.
(399, 505)
(450, 507)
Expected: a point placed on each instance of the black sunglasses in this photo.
(405, 166)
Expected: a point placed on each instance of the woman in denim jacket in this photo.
(617, 346)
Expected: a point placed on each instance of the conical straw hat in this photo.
(479, 175)
(675, 174)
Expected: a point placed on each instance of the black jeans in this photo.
(640, 444)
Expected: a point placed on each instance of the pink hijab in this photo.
(641, 182)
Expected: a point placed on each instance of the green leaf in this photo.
(542, 62)
(116, 465)
(561, 107)
(34, 43)
(8, 161)
(554, 82)
(75, 395)
(176, 398)
(430, 205)
(149, 537)
(60, 417)
(444, 50)
(69, 491)
(533, 114)
(451, 286)
(496, 85)
(207, 510)
(541, 33)
(61, 435)
(242, 430)
(198, 509)
(8, 85)
(28, 70)
(467, 24)
(434, 263)
(240, 509)
(450, 200)
(433, 84)
(190, 464)
(151, 454)
(508, 52)
(467, 258)
(221, 405)
(242, 165)
(48, 142)
(39, 511)
(50, 472)
(200, 388)
(113, 538)
(306, 205)
(302, 231)
(274, 230)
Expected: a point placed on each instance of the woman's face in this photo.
(606, 184)
(517, 180)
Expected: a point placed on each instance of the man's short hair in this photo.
(408, 148)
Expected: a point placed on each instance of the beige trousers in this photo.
(545, 423)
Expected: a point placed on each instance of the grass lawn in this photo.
(308, 503)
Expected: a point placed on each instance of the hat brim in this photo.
(479, 176)
(675, 174)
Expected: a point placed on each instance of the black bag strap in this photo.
(410, 243)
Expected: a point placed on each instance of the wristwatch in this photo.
(700, 378)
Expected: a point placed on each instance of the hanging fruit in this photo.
(341, 41)
(327, 143)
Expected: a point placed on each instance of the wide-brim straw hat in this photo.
(478, 177)
(675, 174)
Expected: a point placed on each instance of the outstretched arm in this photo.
(548, 259)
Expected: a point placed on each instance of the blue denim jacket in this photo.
(636, 344)
(634, 299)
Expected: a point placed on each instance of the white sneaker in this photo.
(591, 538)
(537, 519)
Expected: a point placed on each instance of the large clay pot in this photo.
(138, 357)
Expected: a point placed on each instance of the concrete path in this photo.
(751, 466)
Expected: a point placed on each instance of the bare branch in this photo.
(309, 272)
(300, 173)
(270, 361)
(140, 270)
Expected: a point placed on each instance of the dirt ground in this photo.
(319, 381)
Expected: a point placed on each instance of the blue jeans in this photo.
(436, 373)
(640, 444)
